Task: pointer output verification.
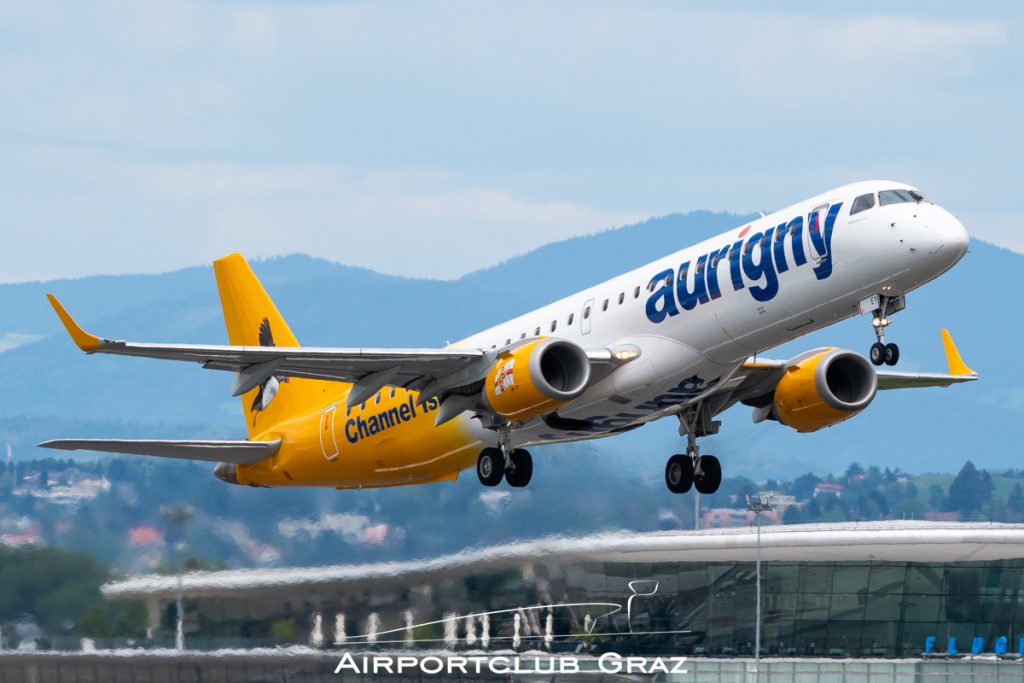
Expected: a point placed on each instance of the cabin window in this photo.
(554, 324)
(622, 297)
(780, 235)
(522, 336)
(586, 312)
(636, 292)
(362, 406)
(700, 267)
(391, 394)
(508, 341)
(604, 306)
(376, 399)
(536, 332)
(569, 320)
(862, 203)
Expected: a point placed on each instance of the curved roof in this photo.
(892, 541)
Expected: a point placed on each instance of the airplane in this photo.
(682, 336)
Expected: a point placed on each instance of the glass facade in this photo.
(814, 609)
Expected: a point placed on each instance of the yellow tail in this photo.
(252, 319)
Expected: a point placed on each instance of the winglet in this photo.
(953, 359)
(85, 341)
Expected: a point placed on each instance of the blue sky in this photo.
(432, 139)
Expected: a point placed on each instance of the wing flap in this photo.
(234, 452)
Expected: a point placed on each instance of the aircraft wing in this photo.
(234, 452)
(430, 371)
(338, 364)
(757, 377)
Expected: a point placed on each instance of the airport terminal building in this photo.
(852, 590)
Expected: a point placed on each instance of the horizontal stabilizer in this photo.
(234, 452)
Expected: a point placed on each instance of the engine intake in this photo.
(536, 378)
(824, 389)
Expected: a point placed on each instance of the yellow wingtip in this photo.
(953, 359)
(85, 341)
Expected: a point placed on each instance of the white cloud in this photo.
(445, 135)
(12, 340)
(129, 217)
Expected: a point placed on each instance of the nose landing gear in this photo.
(702, 472)
(882, 353)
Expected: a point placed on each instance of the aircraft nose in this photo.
(943, 237)
(950, 239)
(958, 239)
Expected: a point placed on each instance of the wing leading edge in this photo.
(405, 367)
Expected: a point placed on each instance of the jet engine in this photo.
(824, 389)
(536, 378)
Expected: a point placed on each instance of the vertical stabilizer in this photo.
(252, 319)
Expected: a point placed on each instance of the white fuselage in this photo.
(697, 314)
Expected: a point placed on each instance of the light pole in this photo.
(757, 505)
(178, 515)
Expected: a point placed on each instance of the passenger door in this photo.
(588, 312)
(328, 444)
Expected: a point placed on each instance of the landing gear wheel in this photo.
(679, 473)
(522, 469)
(708, 476)
(892, 354)
(489, 467)
(878, 353)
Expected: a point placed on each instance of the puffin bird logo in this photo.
(268, 389)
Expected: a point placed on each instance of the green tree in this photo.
(58, 588)
(854, 470)
(1015, 501)
(803, 486)
(970, 491)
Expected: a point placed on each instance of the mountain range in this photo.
(51, 390)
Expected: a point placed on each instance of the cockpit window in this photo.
(898, 197)
(862, 203)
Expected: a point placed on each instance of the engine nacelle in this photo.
(536, 378)
(824, 389)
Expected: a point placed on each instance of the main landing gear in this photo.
(702, 472)
(889, 354)
(515, 465)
